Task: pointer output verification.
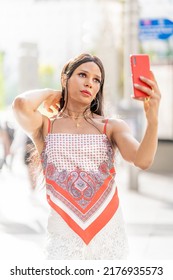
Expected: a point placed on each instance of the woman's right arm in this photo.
(26, 105)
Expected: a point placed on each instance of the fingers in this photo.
(150, 86)
(52, 103)
(153, 77)
(145, 89)
(51, 108)
(139, 98)
(148, 82)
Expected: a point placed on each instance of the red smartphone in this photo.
(140, 66)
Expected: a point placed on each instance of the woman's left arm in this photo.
(148, 146)
(141, 154)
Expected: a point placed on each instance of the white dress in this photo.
(85, 220)
(63, 244)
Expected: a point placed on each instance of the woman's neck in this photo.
(77, 112)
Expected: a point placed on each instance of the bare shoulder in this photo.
(117, 130)
(118, 125)
(113, 124)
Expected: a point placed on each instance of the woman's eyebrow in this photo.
(85, 71)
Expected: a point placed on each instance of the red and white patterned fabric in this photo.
(80, 180)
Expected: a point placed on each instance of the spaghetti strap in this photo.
(105, 125)
(49, 126)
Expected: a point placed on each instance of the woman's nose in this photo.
(88, 83)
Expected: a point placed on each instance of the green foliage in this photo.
(47, 77)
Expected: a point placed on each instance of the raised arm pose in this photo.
(77, 149)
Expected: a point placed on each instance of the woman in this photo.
(77, 149)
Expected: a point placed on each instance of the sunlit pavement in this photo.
(23, 216)
(148, 215)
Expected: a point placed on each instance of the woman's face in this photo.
(84, 84)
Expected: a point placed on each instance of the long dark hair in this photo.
(96, 105)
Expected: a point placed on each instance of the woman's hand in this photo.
(53, 100)
(151, 103)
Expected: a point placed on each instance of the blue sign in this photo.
(150, 29)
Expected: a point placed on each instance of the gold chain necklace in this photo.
(75, 118)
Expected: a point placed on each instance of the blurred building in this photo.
(28, 66)
(62, 29)
(2, 93)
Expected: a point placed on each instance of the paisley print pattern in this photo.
(80, 181)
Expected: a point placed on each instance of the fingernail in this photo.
(141, 77)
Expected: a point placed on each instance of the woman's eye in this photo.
(97, 81)
(82, 75)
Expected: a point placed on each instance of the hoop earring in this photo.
(96, 103)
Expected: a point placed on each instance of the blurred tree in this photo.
(46, 75)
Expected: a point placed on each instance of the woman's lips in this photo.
(86, 92)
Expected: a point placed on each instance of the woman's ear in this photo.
(64, 80)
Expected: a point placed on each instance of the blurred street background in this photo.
(37, 38)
